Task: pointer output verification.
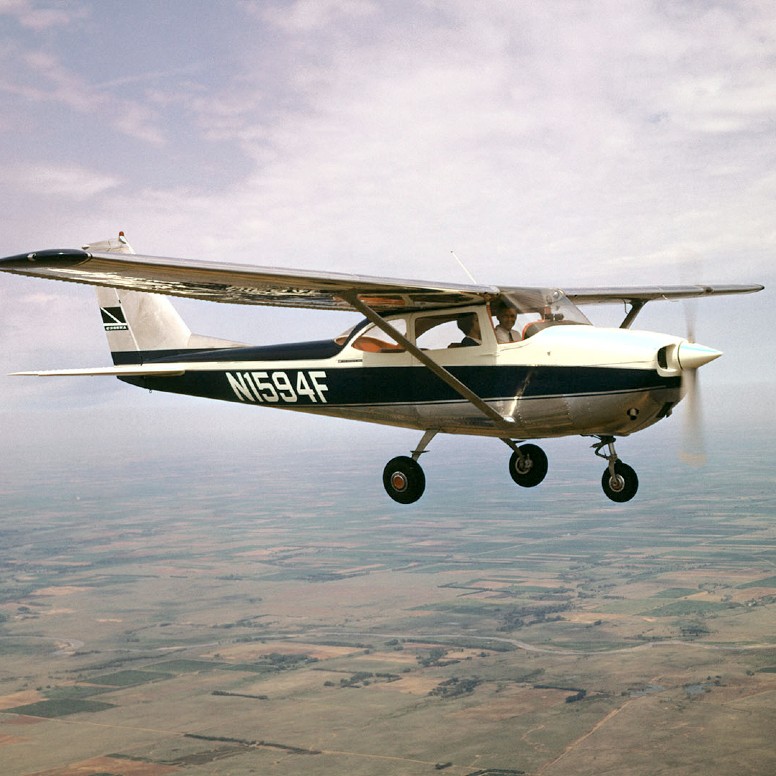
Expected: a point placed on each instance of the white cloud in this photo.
(507, 135)
(568, 143)
(62, 181)
(40, 76)
(40, 16)
(306, 16)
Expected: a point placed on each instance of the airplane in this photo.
(406, 363)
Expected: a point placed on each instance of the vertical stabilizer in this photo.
(141, 327)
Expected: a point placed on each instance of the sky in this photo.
(545, 143)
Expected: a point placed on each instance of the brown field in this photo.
(59, 590)
(103, 765)
(20, 698)
(245, 653)
(559, 641)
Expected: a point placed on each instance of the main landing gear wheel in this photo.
(529, 467)
(623, 485)
(404, 480)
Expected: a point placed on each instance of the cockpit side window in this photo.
(434, 332)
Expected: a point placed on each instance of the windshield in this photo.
(368, 337)
(537, 308)
(341, 339)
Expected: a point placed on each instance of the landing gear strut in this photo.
(619, 481)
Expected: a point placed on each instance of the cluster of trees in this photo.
(435, 658)
(452, 688)
(363, 679)
(578, 695)
(520, 616)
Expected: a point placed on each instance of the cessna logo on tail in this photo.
(113, 319)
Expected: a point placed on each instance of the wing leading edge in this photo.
(245, 284)
(644, 294)
(242, 284)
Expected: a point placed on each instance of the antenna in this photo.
(463, 267)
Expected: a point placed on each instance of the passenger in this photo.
(506, 315)
(470, 326)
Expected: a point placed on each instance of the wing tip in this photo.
(53, 257)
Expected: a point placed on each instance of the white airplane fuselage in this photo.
(564, 380)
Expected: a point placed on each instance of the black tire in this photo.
(625, 484)
(533, 468)
(404, 480)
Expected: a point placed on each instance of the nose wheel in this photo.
(619, 481)
(621, 486)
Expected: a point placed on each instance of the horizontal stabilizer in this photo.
(139, 370)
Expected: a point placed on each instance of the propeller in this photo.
(691, 358)
(693, 449)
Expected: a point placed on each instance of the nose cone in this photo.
(691, 355)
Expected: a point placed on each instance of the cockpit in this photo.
(527, 311)
(534, 309)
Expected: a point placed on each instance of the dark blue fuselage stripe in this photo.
(302, 351)
(415, 385)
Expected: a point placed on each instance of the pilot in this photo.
(506, 315)
(470, 326)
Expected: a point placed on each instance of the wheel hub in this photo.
(617, 483)
(399, 481)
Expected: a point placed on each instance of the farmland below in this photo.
(147, 632)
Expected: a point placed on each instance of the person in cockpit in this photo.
(470, 326)
(506, 315)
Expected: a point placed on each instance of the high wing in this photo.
(242, 284)
(644, 294)
(245, 284)
(638, 296)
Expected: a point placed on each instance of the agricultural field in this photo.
(142, 633)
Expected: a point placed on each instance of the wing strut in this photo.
(442, 373)
(636, 307)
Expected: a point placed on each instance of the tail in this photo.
(145, 327)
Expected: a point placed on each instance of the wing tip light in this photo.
(52, 257)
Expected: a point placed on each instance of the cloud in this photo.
(41, 16)
(356, 133)
(72, 182)
(37, 76)
(308, 16)
(589, 139)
